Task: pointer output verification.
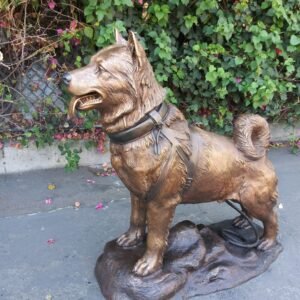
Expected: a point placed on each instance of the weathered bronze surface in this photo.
(174, 163)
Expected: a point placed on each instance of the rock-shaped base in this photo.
(198, 261)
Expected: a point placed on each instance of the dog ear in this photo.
(119, 39)
(137, 49)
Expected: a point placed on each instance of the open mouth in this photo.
(84, 102)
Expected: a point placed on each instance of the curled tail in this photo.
(251, 135)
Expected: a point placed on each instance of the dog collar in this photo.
(153, 122)
(153, 119)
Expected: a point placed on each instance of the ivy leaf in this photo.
(90, 19)
(124, 2)
(92, 3)
(196, 47)
(100, 14)
(212, 75)
(194, 107)
(89, 10)
(294, 41)
(238, 60)
(205, 5)
(185, 2)
(189, 21)
(263, 35)
(88, 32)
(249, 48)
(290, 69)
(159, 15)
(128, 3)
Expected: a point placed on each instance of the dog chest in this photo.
(137, 168)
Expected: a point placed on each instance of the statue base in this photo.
(198, 261)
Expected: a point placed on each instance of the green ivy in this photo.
(215, 58)
(71, 155)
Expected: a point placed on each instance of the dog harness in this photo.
(154, 122)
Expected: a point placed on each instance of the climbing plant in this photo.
(216, 58)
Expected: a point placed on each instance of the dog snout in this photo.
(67, 78)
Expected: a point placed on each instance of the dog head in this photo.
(118, 81)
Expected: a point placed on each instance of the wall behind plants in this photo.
(216, 58)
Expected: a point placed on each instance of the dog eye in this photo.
(99, 70)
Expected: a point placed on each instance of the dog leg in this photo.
(270, 232)
(159, 217)
(260, 205)
(136, 232)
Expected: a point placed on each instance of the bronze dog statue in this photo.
(161, 159)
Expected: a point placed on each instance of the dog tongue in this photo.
(72, 107)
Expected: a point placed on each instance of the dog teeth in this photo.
(94, 100)
(90, 100)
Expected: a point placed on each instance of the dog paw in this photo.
(146, 265)
(131, 238)
(266, 244)
(241, 222)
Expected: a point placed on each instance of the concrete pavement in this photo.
(48, 249)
